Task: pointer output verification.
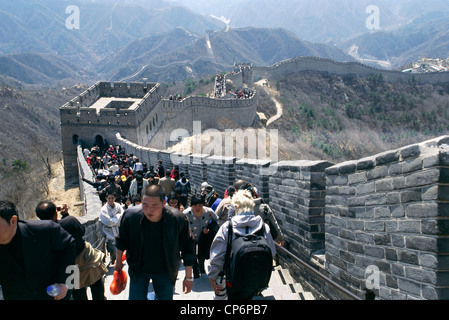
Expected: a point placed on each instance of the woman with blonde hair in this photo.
(243, 203)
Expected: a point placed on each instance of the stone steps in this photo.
(283, 287)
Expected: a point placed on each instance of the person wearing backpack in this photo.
(243, 251)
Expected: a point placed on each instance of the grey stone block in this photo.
(422, 178)
(366, 163)
(428, 244)
(357, 178)
(387, 157)
(421, 210)
(378, 172)
(366, 188)
(411, 195)
(421, 275)
(412, 165)
(384, 185)
(410, 151)
(374, 251)
(410, 287)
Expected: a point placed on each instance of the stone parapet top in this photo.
(302, 165)
(424, 149)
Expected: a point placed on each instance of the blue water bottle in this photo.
(151, 295)
(53, 290)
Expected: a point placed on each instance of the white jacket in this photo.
(239, 226)
(110, 220)
(133, 186)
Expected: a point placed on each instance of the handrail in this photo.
(319, 274)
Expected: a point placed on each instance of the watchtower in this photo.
(94, 117)
(246, 70)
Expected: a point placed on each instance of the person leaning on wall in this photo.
(88, 259)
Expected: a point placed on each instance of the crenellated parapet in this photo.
(208, 111)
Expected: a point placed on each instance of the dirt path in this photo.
(59, 195)
(274, 94)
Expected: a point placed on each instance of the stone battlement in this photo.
(104, 99)
(108, 89)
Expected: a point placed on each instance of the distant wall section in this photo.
(301, 64)
(208, 111)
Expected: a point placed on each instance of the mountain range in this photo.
(193, 56)
(322, 21)
(425, 36)
(173, 40)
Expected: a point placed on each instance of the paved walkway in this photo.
(281, 287)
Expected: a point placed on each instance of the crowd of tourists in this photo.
(220, 85)
(148, 216)
(176, 97)
(244, 93)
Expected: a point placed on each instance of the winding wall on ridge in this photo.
(300, 64)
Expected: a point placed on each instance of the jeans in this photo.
(110, 246)
(240, 295)
(96, 290)
(138, 286)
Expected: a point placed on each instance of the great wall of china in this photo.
(377, 226)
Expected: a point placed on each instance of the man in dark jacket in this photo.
(33, 256)
(155, 238)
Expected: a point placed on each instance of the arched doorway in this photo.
(75, 139)
(99, 141)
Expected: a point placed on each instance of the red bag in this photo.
(118, 283)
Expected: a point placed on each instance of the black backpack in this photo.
(248, 262)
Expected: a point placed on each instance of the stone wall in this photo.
(208, 111)
(387, 222)
(299, 64)
(92, 204)
(297, 195)
(377, 225)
